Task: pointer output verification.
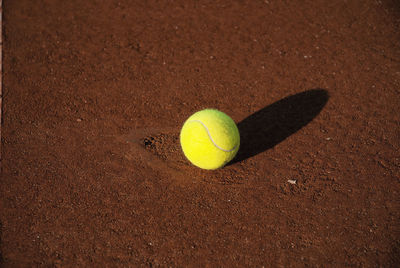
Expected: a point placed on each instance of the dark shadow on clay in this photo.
(274, 123)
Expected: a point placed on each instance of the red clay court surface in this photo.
(95, 94)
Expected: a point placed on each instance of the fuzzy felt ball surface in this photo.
(210, 139)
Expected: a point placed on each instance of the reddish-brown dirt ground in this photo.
(95, 93)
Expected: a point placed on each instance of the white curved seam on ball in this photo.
(209, 135)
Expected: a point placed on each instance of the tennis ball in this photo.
(209, 139)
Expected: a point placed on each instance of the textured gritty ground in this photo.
(95, 93)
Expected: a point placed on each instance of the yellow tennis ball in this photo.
(210, 139)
